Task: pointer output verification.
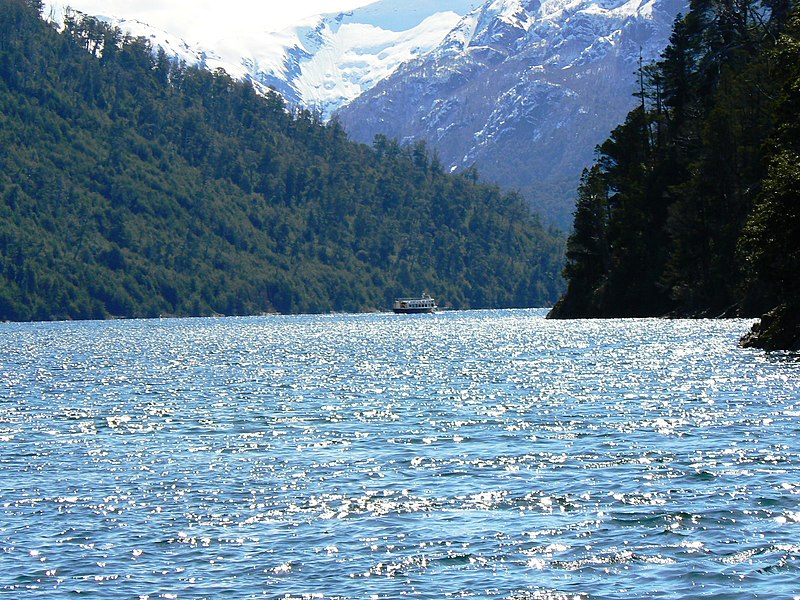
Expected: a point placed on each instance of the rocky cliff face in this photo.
(523, 90)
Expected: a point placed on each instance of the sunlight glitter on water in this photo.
(478, 454)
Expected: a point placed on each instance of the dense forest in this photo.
(691, 206)
(131, 186)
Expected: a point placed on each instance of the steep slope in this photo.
(322, 62)
(331, 59)
(524, 90)
(60, 13)
(131, 186)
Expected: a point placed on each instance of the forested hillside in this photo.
(691, 207)
(130, 186)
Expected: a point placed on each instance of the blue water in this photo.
(489, 454)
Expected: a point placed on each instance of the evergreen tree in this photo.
(134, 186)
(682, 174)
(588, 252)
(770, 241)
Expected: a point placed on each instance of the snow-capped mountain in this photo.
(174, 46)
(522, 89)
(331, 59)
(322, 62)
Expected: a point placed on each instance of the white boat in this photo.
(423, 304)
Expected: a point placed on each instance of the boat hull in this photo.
(413, 311)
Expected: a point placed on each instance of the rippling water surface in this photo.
(464, 454)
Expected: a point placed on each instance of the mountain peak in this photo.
(524, 89)
(521, 89)
(323, 61)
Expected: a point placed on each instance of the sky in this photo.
(195, 20)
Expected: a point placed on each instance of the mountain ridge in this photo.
(322, 61)
(524, 91)
(131, 186)
(521, 90)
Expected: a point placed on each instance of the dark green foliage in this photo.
(676, 183)
(770, 241)
(131, 186)
(587, 249)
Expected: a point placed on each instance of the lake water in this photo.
(489, 454)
